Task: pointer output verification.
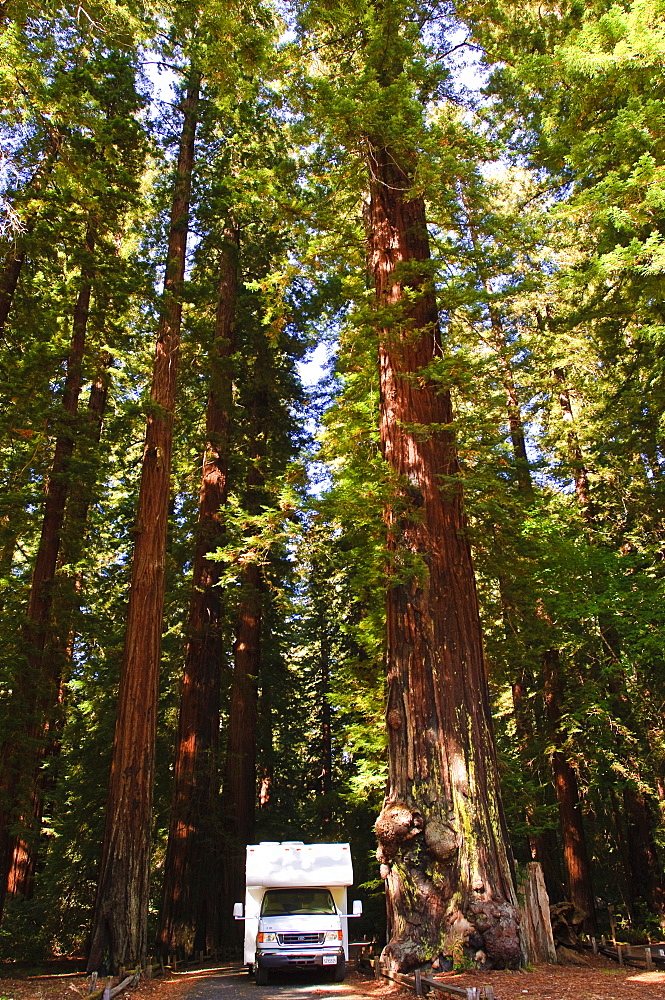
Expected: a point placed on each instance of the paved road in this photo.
(231, 982)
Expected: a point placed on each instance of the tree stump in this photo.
(536, 936)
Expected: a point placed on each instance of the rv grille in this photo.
(300, 938)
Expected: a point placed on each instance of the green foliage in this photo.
(545, 203)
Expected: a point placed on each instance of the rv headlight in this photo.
(263, 938)
(333, 936)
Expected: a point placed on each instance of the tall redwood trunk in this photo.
(36, 691)
(240, 778)
(240, 775)
(120, 919)
(576, 862)
(442, 835)
(60, 649)
(190, 897)
(239, 794)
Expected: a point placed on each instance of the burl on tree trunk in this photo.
(443, 845)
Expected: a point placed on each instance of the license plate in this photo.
(329, 960)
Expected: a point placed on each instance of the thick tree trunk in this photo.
(240, 776)
(60, 649)
(190, 897)
(576, 862)
(239, 789)
(442, 835)
(239, 794)
(36, 694)
(120, 920)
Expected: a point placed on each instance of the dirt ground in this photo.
(602, 980)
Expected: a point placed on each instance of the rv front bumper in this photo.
(298, 960)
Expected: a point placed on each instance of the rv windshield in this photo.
(277, 902)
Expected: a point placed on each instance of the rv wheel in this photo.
(340, 970)
(260, 975)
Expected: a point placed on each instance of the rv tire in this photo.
(260, 975)
(339, 971)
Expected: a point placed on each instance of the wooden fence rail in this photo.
(423, 984)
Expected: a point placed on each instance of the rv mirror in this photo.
(238, 911)
(357, 908)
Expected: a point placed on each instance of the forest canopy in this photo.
(332, 364)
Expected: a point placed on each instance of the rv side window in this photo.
(277, 902)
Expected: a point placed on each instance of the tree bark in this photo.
(36, 693)
(575, 858)
(60, 649)
(120, 919)
(442, 835)
(190, 896)
(240, 779)
(239, 794)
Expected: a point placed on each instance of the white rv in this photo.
(295, 908)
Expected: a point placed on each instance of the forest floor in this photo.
(602, 980)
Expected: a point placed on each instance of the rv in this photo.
(295, 908)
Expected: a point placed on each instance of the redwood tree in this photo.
(120, 920)
(442, 836)
(189, 906)
(35, 696)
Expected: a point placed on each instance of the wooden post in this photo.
(594, 946)
(629, 950)
(649, 959)
(489, 993)
(620, 954)
(107, 990)
(613, 926)
(377, 967)
(418, 982)
(93, 981)
(603, 941)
